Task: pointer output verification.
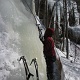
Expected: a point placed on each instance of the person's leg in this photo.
(57, 75)
(49, 68)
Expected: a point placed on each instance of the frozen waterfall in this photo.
(19, 36)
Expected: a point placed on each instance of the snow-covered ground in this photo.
(70, 70)
(75, 52)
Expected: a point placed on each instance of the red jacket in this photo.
(49, 47)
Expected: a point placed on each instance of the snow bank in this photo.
(70, 70)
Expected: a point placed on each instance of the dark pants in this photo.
(49, 68)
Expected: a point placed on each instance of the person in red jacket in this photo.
(49, 52)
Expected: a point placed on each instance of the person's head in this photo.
(49, 32)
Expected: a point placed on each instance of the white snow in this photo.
(70, 70)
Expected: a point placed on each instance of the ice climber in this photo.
(48, 50)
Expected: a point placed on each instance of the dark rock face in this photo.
(74, 34)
